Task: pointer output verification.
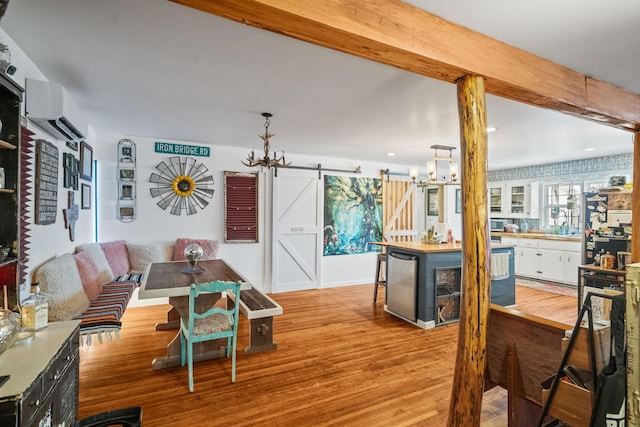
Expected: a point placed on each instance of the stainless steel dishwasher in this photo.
(402, 275)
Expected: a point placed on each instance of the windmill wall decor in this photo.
(182, 184)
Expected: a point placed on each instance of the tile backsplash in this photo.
(572, 167)
(606, 165)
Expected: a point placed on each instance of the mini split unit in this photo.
(50, 106)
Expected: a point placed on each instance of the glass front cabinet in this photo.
(522, 199)
(497, 199)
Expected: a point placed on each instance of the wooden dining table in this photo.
(167, 279)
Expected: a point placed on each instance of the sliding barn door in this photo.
(398, 210)
(297, 230)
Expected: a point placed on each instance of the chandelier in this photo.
(432, 165)
(277, 162)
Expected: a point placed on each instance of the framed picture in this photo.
(86, 161)
(75, 167)
(70, 165)
(86, 196)
(432, 201)
(127, 174)
(458, 201)
(67, 160)
(127, 191)
(73, 145)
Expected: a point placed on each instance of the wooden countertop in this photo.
(433, 248)
(569, 238)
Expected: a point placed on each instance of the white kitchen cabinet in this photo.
(571, 263)
(509, 241)
(497, 199)
(564, 254)
(527, 257)
(528, 262)
(522, 199)
(551, 264)
(548, 260)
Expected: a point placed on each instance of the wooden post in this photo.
(635, 200)
(468, 382)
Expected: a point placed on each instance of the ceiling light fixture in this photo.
(491, 129)
(413, 173)
(277, 162)
(432, 165)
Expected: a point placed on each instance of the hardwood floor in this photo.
(341, 361)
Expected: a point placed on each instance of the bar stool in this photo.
(382, 257)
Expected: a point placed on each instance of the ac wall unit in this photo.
(49, 105)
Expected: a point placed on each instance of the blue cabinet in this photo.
(438, 287)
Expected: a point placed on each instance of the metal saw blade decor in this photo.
(182, 185)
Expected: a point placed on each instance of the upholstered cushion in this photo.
(89, 274)
(103, 315)
(59, 279)
(141, 255)
(117, 256)
(131, 277)
(209, 248)
(95, 250)
(217, 322)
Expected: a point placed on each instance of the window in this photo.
(562, 206)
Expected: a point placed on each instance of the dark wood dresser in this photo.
(43, 387)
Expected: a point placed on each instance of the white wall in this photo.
(253, 260)
(47, 241)
(156, 225)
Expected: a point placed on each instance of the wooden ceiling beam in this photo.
(398, 34)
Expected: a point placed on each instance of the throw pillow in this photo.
(209, 248)
(89, 274)
(141, 255)
(117, 256)
(95, 250)
(60, 281)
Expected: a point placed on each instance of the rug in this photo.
(544, 285)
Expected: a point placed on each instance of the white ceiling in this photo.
(157, 69)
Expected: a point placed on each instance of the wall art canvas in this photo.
(352, 215)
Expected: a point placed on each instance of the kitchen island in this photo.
(424, 281)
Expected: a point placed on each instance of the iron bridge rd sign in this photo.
(181, 149)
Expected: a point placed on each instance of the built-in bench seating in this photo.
(96, 283)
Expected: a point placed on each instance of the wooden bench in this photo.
(522, 351)
(259, 309)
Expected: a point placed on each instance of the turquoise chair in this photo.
(213, 324)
